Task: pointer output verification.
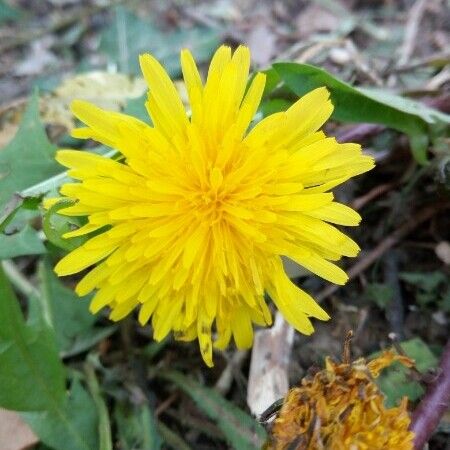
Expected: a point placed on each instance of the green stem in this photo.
(54, 182)
(104, 425)
(18, 280)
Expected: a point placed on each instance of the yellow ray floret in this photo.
(199, 211)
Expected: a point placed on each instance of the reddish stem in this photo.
(434, 404)
(358, 133)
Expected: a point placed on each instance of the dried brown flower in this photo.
(341, 408)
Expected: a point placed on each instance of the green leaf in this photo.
(88, 339)
(274, 105)
(428, 281)
(129, 36)
(32, 379)
(31, 375)
(366, 105)
(272, 80)
(240, 429)
(394, 380)
(25, 242)
(430, 287)
(136, 427)
(67, 313)
(380, 293)
(406, 105)
(172, 439)
(29, 157)
(136, 107)
(7, 12)
(71, 425)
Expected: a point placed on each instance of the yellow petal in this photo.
(49, 202)
(318, 265)
(223, 338)
(250, 104)
(193, 81)
(103, 122)
(309, 113)
(103, 297)
(242, 329)
(309, 202)
(81, 258)
(89, 133)
(163, 91)
(337, 213)
(122, 310)
(204, 338)
(92, 279)
(85, 229)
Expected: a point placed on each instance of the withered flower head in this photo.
(341, 408)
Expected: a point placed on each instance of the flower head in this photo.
(341, 408)
(192, 222)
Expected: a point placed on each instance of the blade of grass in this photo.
(104, 424)
(171, 438)
(239, 428)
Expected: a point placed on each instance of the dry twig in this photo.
(377, 191)
(367, 260)
(440, 59)
(411, 30)
(359, 132)
(225, 380)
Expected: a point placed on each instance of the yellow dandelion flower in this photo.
(341, 408)
(202, 206)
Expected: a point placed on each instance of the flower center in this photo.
(210, 201)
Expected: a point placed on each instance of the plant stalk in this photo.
(434, 404)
